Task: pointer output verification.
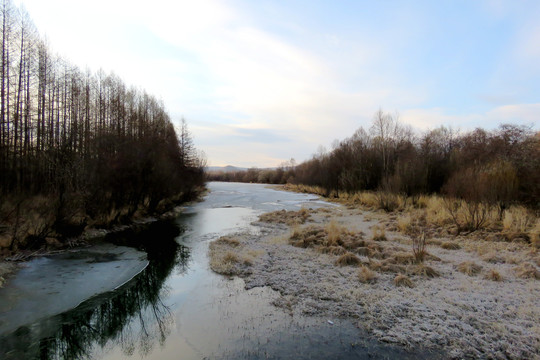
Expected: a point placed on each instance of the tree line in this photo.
(500, 166)
(84, 138)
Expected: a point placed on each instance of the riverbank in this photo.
(92, 234)
(468, 296)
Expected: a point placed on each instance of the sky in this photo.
(261, 82)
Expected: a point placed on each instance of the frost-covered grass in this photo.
(471, 298)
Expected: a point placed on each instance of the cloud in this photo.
(519, 114)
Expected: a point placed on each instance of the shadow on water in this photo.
(132, 316)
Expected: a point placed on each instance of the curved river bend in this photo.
(177, 308)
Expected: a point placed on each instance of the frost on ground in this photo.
(475, 300)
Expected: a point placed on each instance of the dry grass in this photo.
(424, 270)
(493, 275)
(226, 257)
(419, 248)
(366, 275)
(328, 239)
(403, 280)
(527, 271)
(365, 198)
(517, 220)
(379, 234)
(402, 258)
(228, 240)
(535, 235)
(470, 268)
(494, 258)
(286, 217)
(435, 212)
(404, 223)
(348, 259)
(450, 245)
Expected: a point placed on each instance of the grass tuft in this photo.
(379, 234)
(366, 275)
(494, 275)
(470, 268)
(286, 217)
(450, 245)
(527, 271)
(403, 280)
(348, 259)
(227, 240)
(426, 271)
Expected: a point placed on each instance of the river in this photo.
(175, 307)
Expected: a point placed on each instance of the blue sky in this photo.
(262, 81)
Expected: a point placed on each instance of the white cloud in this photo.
(519, 114)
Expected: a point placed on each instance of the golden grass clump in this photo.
(365, 198)
(527, 271)
(305, 237)
(535, 235)
(517, 220)
(333, 250)
(450, 245)
(379, 234)
(470, 268)
(426, 271)
(419, 248)
(402, 258)
(403, 280)
(286, 217)
(436, 213)
(493, 258)
(366, 275)
(493, 275)
(348, 259)
(404, 224)
(227, 240)
(391, 268)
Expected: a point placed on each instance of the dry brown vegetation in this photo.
(366, 275)
(470, 268)
(286, 217)
(527, 271)
(494, 275)
(403, 280)
(348, 259)
(227, 256)
(450, 245)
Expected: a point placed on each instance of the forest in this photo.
(499, 167)
(80, 148)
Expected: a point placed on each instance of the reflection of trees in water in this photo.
(133, 317)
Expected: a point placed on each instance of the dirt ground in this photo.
(470, 297)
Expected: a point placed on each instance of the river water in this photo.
(177, 308)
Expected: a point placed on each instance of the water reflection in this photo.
(133, 317)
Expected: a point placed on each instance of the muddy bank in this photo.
(489, 310)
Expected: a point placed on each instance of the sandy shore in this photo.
(475, 299)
